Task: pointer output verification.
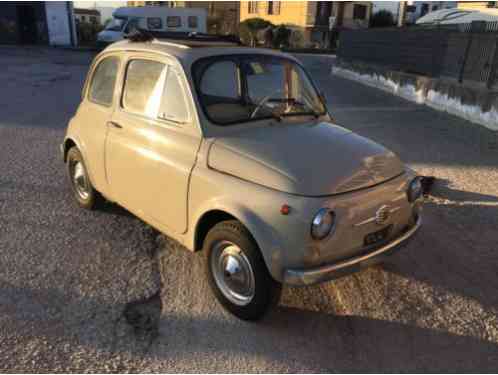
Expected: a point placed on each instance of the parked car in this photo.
(154, 18)
(232, 152)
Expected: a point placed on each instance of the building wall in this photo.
(58, 21)
(473, 5)
(91, 18)
(222, 16)
(349, 20)
(171, 4)
(11, 27)
(303, 16)
(292, 13)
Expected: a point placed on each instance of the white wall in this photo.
(59, 32)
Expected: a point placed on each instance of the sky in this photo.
(105, 7)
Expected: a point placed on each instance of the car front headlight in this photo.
(414, 190)
(322, 224)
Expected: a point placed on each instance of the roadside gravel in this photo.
(103, 292)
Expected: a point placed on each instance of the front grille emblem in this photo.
(382, 215)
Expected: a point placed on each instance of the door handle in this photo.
(115, 124)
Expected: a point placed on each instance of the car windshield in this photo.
(242, 88)
(116, 24)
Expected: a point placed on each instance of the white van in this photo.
(126, 19)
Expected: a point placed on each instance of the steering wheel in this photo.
(262, 103)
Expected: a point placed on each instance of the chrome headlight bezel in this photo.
(323, 223)
(414, 191)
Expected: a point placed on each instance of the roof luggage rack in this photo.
(142, 35)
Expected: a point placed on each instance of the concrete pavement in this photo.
(102, 291)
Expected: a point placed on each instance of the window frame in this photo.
(123, 85)
(92, 76)
(188, 120)
(252, 7)
(273, 8)
(159, 121)
(200, 65)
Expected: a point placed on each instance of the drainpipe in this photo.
(402, 13)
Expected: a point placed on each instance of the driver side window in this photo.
(221, 79)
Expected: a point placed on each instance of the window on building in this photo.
(103, 81)
(93, 19)
(274, 7)
(359, 12)
(143, 85)
(173, 104)
(192, 22)
(424, 10)
(174, 21)
(252, 7)
(323, 12)
(83, 18)
(154, 23)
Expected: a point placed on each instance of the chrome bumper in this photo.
(333, 271)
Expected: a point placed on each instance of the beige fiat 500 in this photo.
(231, 151)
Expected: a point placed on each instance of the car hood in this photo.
(312, 160)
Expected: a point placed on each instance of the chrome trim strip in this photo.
(325, 273)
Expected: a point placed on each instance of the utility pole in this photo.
(402, 13)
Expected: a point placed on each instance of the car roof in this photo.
(189, 51)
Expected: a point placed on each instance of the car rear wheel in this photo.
(86, 196)
(237, 272)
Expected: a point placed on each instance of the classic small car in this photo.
(231, 151)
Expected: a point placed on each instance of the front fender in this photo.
(263, 233)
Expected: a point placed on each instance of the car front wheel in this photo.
(237, 272)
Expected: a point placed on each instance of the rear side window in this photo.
(143, 87)
(103, 81)
(173, 104)
(174, 21)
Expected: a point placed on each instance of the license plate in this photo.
(378, 236)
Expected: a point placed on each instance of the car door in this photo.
(94, 113)
(152, 143)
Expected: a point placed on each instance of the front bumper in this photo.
(333, 271)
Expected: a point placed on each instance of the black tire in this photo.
(266, 291)
(92, 198)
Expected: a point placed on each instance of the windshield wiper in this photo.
(316, 115)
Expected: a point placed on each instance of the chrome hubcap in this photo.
(232, 273)
(80, 180)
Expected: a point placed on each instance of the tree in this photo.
(281, 36)
(250, 28)
(382, 18)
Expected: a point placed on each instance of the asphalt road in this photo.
(101, 291)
